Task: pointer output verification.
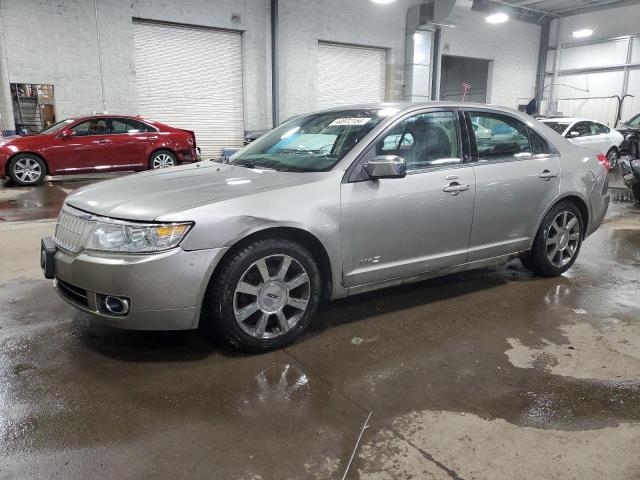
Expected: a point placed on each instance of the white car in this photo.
(589, 133)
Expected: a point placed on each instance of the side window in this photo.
(127, 125)
(424, 141)
(499, 136)
(96, 126)
(601, 128)
(582, 128)
(539, 145)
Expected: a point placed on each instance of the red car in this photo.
(100, 143)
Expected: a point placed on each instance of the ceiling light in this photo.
(382, 1)
(497, 18)
(585, 32)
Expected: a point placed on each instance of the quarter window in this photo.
(424, 141)
(499, 136)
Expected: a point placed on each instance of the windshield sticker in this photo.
(341, 122)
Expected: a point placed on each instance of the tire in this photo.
(27, 169)
(162, 159)
(636, 192)
(256, 310)
(613, 156)
(554, 234)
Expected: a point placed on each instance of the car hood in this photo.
(146, 196)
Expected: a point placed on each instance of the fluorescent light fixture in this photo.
(383, 1)
(497, 18)
(583, 33)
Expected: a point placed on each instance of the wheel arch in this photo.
(159, 148)
(299, 235)
(580, 204)
(29, 152)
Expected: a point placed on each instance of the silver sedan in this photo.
(327, 205)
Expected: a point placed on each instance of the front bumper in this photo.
(165, 290)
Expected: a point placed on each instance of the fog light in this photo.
(116, 305)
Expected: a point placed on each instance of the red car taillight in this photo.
(602, 158)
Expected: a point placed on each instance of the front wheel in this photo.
(612, 157)
(162, 159)
(557, 242)
(264, 296)
(26, 169)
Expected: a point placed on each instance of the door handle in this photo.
(153, 137)
(547, 175)
(103, 140)
(455, 188)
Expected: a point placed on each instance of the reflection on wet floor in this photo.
(18, 204)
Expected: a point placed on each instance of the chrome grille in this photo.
(72, 229)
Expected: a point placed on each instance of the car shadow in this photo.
(194, 345)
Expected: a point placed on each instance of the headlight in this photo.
(118, 236)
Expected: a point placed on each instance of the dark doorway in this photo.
(460, 71)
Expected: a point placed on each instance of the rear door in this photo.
(87, 149)
(517, 178)
(602, 139)
(399, 227)
(130, 142)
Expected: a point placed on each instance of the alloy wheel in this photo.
(563, 239)
(163, 160)
(27, 170)
(271, 296)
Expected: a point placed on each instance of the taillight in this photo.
(190, 140)
(602, 158)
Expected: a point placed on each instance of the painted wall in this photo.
(513, 46)
(57, 43)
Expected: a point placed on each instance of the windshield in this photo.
(557, 126)
(634, 122)
(314, 143)
(56, 127)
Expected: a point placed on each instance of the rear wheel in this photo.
(557, 242)
(612, 157)
(162, 159)
(264, 296)
(27, 169)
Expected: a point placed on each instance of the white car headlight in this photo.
(129, 237)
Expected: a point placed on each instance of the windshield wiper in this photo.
(254, 164)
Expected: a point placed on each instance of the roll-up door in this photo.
(191, 78)
(348, 74)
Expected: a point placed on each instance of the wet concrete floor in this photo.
(489, 374)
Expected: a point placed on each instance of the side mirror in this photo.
(385, 166)
(67, 133)
(574, 134)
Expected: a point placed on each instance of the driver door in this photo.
(398, 227)
(88, 148)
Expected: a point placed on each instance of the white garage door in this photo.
(191, 78)
(350, 75)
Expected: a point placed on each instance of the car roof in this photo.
(110, 115)
(568, 120)
(405, 105)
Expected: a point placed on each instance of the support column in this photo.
(7, 123)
